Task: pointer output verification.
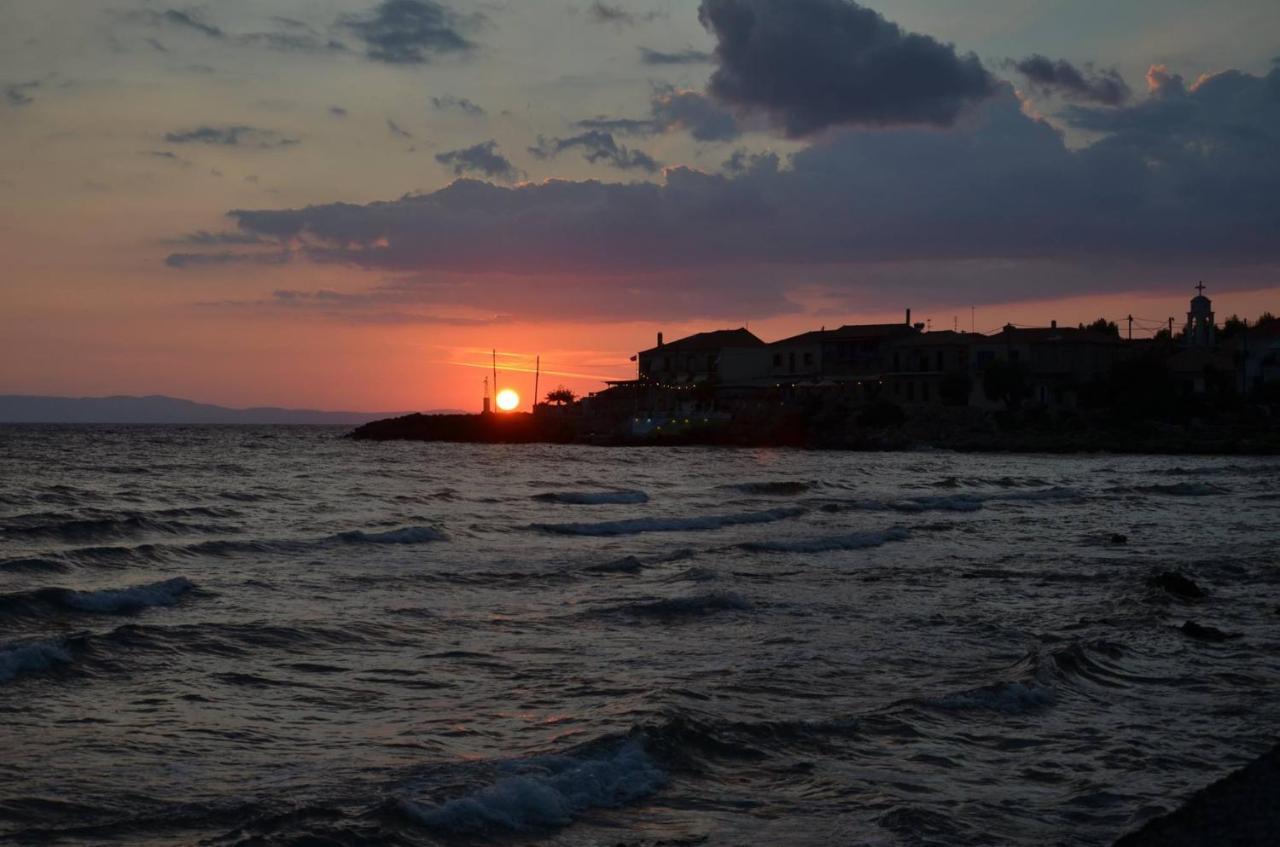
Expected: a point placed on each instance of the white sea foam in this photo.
(550, 794)
(593, 498)
(404, 535)
(135, 598)
(851, 541)
(636, 526)
(32, 656)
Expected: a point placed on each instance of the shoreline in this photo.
(1239, 809)
(963, 434)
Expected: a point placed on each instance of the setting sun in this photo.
(508, 400)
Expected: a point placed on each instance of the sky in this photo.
(348, 204)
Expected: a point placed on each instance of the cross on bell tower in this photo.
(1201, 331)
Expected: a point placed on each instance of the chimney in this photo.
(908, 317)
(1053, 324)
(659, 339)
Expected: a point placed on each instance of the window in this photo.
(791, 362)
(666, 363)
(924, 391)
(777, 360)
(897, 362)
(911, 391)
(940, 365)
(808, 358)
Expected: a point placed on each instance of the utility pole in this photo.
(537, 375)
(1170, 329)
(495, 369)
(972, 319)
(1131, 327)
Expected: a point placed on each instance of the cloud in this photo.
(1106, 87)
(397, 131)
(458, 104)
(299, 38)
(608, 13)
(231, 136)
(186, 20)
(482, 158)
(814, 64)
(680, 57)
(689, 110)
(16, 94)
(379, 305)
(673, 109)
(409, 32)
(1176, 181)
(226, 257)
(204, 238)
(597, 146)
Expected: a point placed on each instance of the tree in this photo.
(561, 396)
(1105, 327)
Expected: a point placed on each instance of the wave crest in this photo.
(636, 526)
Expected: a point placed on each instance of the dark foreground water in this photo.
(275, 636)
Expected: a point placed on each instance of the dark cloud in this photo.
(16, 94)
(689, 110)
(1186, 178)
(680, 57)
(381, 305)
(456, 104)
(231, 136)
(482, 158)
(597, 146)
(673, 109)
(1062, 77)
(814, 64)
(397, 131)
(409, 32)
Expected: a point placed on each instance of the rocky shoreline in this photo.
(958, 430)
(1239, 810)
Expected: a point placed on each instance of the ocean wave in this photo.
(33, 656)
(1008, 697)
(110, 601)
(627, 564)
(1174, 489)
(71, 529)
(851, 541)
(33, 564)
(771, 489)
(593, 498)
(404, 535)
(695, 606)
(636, 526)
(115, 601)
(549, 792)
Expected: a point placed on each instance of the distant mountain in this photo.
(20, 408)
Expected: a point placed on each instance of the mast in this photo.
(537, 375)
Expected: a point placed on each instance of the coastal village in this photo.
(893, 385)
(717, 375)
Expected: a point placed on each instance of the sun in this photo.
(508, 400)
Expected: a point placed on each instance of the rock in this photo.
(1178, 585)
(1119, 538)
(1191, 629)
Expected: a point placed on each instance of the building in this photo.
(930, 368)
(698, 358)
(850, 352)
(1054, 362)
(1200, 332)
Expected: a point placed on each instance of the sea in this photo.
(279, 636)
